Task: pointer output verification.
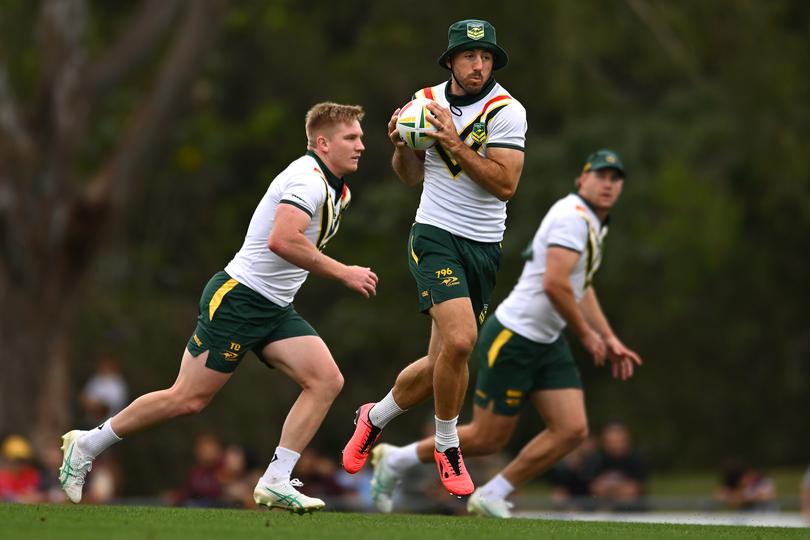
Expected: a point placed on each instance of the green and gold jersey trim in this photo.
(331, 210)
(594, 245)
(476, 130)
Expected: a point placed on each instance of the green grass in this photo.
(63, 522)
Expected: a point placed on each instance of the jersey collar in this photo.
(605, 222)
(334, 181)
(467, 99)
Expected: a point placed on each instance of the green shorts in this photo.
(446, 266)
(511, 367)
(235, 319)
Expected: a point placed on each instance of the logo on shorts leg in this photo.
(233, 353)
(513, 398)
(197, 340)
(449, 279)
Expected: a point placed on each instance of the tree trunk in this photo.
(53, 221)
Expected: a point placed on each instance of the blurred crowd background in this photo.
(136, 138)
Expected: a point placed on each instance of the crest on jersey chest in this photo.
(479, 132)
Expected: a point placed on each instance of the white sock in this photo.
(446, 434)
(402, 459)
(384, 411)
(96, 440)
(281, 466)
(499, 487)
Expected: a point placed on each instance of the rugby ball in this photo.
(414, 124)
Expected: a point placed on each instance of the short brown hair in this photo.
(328, 114)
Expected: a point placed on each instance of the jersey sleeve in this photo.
(304, 191)
(568, 230)
(508, 128)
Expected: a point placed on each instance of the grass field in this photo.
(62, 522)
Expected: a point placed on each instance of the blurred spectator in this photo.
(745, 488)
(105, 393)
(238, 475)
(203, 486)
(805, 494)
(571, 478)
(619, 473)
(104, 484)
(19, 478)
(319, 475)
(49, 489)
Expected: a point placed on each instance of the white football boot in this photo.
(284, 495)
(485, 505)
(384, 480)
(75, 466)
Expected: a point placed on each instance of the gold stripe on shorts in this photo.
(492, 355)
(216, 300)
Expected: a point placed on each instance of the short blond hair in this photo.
(327, 114)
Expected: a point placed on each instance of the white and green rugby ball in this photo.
(415, 126)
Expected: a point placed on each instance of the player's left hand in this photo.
(622, 359)
(393, 133)
(446, 132)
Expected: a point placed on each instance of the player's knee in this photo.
(487, 441)
(327, 386)
(197, 404)
(573, 435)
(459, 345)
(492, 443)
(335, 384)
(185, 405)
(183, 401)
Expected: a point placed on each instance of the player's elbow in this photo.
(277, 245)
(554, 287)
(504, 192)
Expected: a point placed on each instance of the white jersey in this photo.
(451, 200)
(307, 184)
(572, 224)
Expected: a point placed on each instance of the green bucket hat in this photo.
(474, 34)
(604, 159)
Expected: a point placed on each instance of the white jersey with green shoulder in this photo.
(308, 185)
(451, 200)
(571, 224)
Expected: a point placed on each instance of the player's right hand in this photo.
(595, 345)
(393, 133)
(361, 279)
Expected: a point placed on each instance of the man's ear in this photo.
(322, 143)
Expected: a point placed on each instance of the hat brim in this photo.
(608, 166)
(500, 58)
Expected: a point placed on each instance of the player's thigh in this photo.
(561, 409)
(305, 359)
(455, 321)
(195, 378)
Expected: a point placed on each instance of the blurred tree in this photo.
(56, 201)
